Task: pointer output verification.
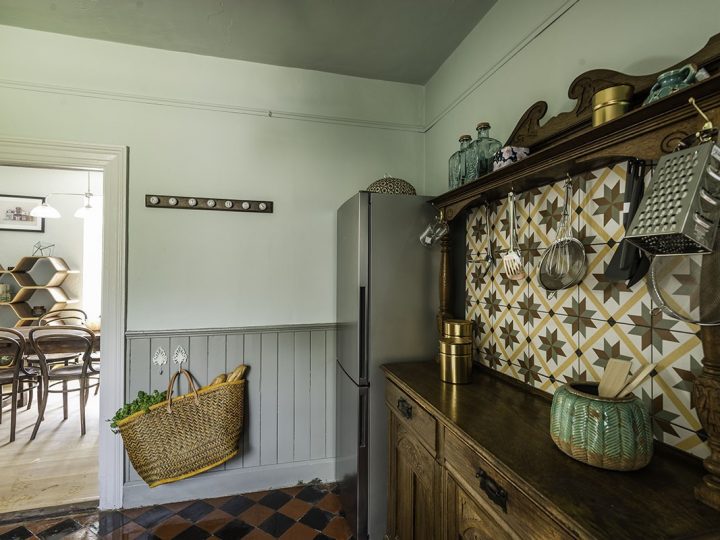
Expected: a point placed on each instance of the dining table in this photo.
(50, 345)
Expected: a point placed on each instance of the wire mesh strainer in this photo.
(564, 263)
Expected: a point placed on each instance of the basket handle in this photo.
(171, 386)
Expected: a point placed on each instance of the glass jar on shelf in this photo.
(457, 164)
(481, 152)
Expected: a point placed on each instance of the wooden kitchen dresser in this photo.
(477, 462)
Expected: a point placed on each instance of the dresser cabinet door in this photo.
(468, 520)
(414, 502)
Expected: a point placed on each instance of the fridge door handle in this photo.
(363, 333)
(363, 421)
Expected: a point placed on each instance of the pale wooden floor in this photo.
(59, 467)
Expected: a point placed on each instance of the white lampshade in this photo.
(44, 211)
(84, 211)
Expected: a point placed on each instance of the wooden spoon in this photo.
(614, 377)
(639, 377)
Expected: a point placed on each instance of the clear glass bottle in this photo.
(456, 165)
(481, 152)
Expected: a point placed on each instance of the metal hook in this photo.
(708, 124)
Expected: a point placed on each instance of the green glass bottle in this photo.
(480, 153)
(456, 165)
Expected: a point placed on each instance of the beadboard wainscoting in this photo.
(546, 340)
(289, 434)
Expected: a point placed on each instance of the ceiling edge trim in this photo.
(207, 106)
(529, 38)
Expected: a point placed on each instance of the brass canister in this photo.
(457, 328)
(611, 103)
(455, 345)
(456, 369)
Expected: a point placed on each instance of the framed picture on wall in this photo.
(15, 213)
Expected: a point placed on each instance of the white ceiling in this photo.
(395, 40)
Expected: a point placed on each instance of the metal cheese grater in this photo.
(679, 213)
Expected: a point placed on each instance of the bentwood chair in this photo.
(14, 373)
(64, 317)
(78, 339)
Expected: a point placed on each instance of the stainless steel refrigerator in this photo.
(386, 305)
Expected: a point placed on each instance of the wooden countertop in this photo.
(511, 427)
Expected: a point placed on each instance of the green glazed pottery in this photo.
(609, 433)
(671, 81)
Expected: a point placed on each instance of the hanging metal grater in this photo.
(679, 212)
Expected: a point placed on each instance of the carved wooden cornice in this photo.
(567, 143)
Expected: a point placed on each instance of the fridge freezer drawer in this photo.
(412, 415)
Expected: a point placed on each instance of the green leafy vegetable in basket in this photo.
(142, 402)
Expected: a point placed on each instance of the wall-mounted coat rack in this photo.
(202, 203)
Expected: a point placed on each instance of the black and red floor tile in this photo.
(303, 512)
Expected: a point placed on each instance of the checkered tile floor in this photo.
(297, 513)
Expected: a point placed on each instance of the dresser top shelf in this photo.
(510, 427)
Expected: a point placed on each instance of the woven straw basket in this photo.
(186, 435)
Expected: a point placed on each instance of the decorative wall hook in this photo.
(180, 355)
(160, 358)
(202, 203)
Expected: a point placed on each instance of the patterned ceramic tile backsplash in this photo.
(546, 340)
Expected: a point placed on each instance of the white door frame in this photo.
(112, 160)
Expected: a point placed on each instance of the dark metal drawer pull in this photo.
(405, 408)
(494, 492)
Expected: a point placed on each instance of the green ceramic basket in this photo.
(610, 433)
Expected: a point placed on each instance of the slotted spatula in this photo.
(512, 260)
(614, 378)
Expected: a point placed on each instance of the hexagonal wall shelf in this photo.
(34, 281)
(46, 271)
(17, 282)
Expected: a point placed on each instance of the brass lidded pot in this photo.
(456, 346)
(457, 328)
(611, 103)
(455, 356)
(456, 369)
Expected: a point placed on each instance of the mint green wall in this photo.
(198, 125)
(202, 125)
(517, 55)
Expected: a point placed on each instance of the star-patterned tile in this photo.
(542, 212)
(506, 290)
(681, 438)
(478, 240)
(553, 345)
(599, 341)
(547, 300)
(570, 335)
(484, 326)
(613, 300)
(478, 280)
(511, 336)
(677, 365)
(600, 203)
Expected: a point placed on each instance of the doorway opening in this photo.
(50, 276)
(107, 165)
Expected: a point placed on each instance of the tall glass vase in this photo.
(480, 153)
(457, 166)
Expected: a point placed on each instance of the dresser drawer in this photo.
(412, 415)
(497, 494)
